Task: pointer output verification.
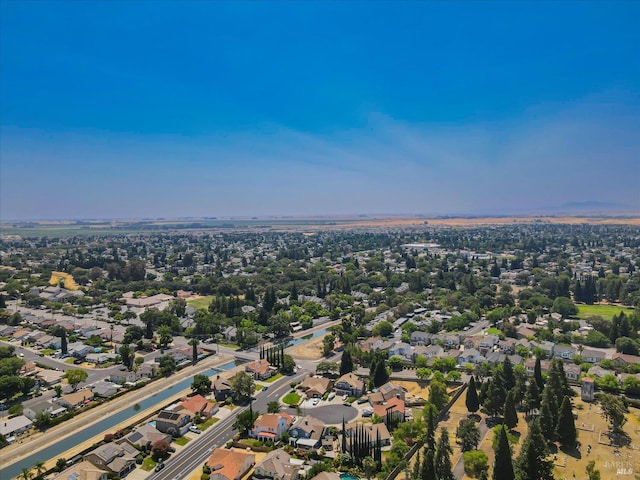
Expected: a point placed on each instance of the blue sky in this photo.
(148, 109)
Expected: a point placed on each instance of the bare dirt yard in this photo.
(310, 351)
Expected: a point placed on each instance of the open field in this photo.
(311, 350)
(200, 302)
(69, 228)
(605, 311)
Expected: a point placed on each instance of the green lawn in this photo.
(605, 311)
(203, 426)
(274, 378)
(182, 441)
(47, 351)
(229, 345)
(258, 387)
(291, 398)
(148, 464)
(202, 302)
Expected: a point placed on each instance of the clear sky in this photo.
(163, 109)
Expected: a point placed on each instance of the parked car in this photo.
(195, 429)
(316, 401)
(367, 413)
(362, 400)
(159, 466)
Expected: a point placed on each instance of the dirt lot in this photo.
(309, 351)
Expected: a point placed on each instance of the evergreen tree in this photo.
(372, 373)
(63, 340)
(443, 457)
(428, 471)
(507, 374)
(510, 414)
(381, 375)
(532, 397)
(532, 463)
(344, 437)
(472, 397)
(346, 363)
(430, 415)
(496, 396)
(537, 374)
(547, 409)
(566, 430)
(416, 473)
(503, 466)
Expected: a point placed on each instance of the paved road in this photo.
(198, 451)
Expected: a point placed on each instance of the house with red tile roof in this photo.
(260, 369)
(271, 426)
(198, 405)
(230, 464)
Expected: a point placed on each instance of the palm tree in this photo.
(26, 474)
(39, 467)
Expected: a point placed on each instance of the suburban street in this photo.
(196, 453)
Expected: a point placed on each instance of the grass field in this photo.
(605, 311)
(148, 464)
(203, 426)
(200, 302)
(291, 398)
(277, 376)
(182, 441)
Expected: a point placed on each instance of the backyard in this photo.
(605, 311)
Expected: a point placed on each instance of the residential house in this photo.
(49, 378)
(315, 387)
(10, 427)
(386, 392)
(434, 351)
(82, 471)
(306, 432)
(593, 356)
(144, 436)
(401, 349)
(79, 350)
(75, 399)
(327, 476)
(271, 426)
(624, 360)
(230, 333)
(230, 464)
(524, 331)
(565, 352)
(493, 358)
(572, 371)
(117, 458)
(530, 365)
(372, 430)
(420, 338)
(470, 355)
(599, 372)
(32, 411)
(124, 377)
(174, 423)
(49, 341)
(198, 405)
(279, 465)
(371, 343)
(507, 346)
(350, 384)
(221, 389)
(105, 389)
(393, 408)
(547, 347)
(487, 343)
(100, 358)
(260, 369)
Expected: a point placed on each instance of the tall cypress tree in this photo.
(532, 463)
(381, 375)
(472, 397)
(344, 437)
(566, 430)
(532, 397)
(547, 408)
(430, 415)
(63, 341)
(510, 414)
(346, 363)
(537, 374)
(507, 374)
(503, 467)
(428, 465)
(443, 457)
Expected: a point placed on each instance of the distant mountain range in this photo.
(583, 208)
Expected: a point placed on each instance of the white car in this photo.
(316, 401)
(195, 429)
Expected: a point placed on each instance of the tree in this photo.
(148, 317)
(26, 474)
(39, 468)
(126, 353)
(503, 465)
(328, 344)
(273, 407)
(471, 400)
(201, 384)
(468, 434)
(383, 329)
(63, 341)
(164, 336)
(242, 387)
(288, 365)
(75, 376)
(547, 420)
(245, 420)
(614, 410)
(565, 307)
(61, 464)
(510, 414)
(381, 375)
(346, 362)
(396, 363)
(58, 390)
(438, 394)
(592, 472)
(167, 365)
(532, 397)
(475, 462)
(423, 373)
(532, 463)
(566, 430)
(537, 374)
(443, 457)
(194, 342)
(160, 449)
(369, 467)
(428, 470)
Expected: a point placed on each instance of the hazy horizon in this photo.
(219, 109)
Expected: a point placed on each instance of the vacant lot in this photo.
(605, 311)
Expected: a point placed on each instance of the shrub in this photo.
(475, 462)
